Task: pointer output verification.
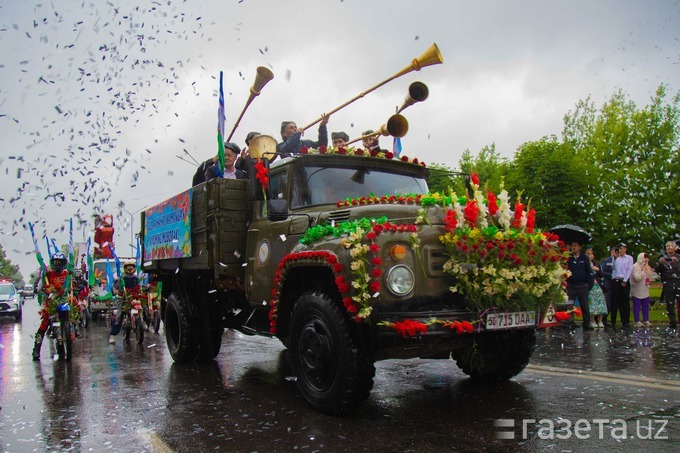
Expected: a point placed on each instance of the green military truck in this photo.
(347, 259)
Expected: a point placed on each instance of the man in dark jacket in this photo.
(580, 281)
(668, 269)
(292, 138)
(231, 152)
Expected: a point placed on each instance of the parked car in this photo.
(28, 291)
(10, 301)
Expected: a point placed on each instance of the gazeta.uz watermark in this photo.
(597, 428)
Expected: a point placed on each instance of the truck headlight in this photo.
(400, 280)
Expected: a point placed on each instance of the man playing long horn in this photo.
(292, 138)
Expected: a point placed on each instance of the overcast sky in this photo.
(98, 98)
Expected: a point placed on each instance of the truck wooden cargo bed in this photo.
(220, 211)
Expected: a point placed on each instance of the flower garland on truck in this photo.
(499, 261)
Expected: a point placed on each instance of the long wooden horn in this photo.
(417, 92)
(263, 76)
(429, 57)
(396, 126)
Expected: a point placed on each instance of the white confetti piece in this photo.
(282, 237)
(237, 254)
(151, 345)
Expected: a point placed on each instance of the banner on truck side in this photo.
(167, 232)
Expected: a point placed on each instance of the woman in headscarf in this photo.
(639, 289)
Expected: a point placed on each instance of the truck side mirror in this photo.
(277, 209)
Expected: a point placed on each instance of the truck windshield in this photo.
(328, 185)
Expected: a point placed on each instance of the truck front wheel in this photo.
(178, 332)
(497, 356)
(334, 373)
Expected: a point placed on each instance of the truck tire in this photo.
(210, 333)
(499, 356)
(334, 373)
(178, 331)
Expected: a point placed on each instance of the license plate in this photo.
(495, 321)
(134, 311)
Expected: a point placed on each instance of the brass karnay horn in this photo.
(396, 126)
(263, 76)
(429, 57)
(417, 92)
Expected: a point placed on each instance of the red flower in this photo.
(349, 304)
(519, 210)
(359, 152)
(404, 159)
(377, 272)
(389, 155)
(342, 151)
(531, 220)
(409, 328)
(490, 245)
(331, 259)
(468, 327)
(376, 261)
(323, 149)
(474, 178)
(262, 174)
(337, 267)
(374, 152)
(450, 222)
(370, 235)
(375, 248)
(374, 286)
(303, 150)
(471, 212)
(493, 203)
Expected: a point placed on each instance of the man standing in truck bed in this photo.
(292, 138)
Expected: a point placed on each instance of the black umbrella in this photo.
(572, 233)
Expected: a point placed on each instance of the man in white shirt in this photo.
(620, 297)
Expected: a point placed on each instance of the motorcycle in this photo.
(60, 326)
(133, 319)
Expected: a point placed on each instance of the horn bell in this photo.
(262, 76)
(417, 92)
(397, 126)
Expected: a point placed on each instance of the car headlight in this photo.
(400, 280)
(15, 300)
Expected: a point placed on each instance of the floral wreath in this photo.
(355, 151)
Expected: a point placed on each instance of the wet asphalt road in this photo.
(130, 397)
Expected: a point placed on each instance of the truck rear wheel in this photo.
(178, 332)
(497, 356)
(334, 373)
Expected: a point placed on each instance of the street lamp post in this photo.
(132, 227)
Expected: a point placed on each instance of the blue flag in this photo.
(396, 146)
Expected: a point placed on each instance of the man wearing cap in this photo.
(292, 138)
(668, 269)
(371, 143)
(623, 268)
(339, 139)
(231, 152)
(241, 163)
(580, 281)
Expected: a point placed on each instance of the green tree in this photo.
(489, 166)
(9, 270)
(550, 179)
(631, 159)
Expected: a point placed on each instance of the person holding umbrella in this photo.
(581, 281)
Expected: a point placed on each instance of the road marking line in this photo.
(634, 381)
(155, 442)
